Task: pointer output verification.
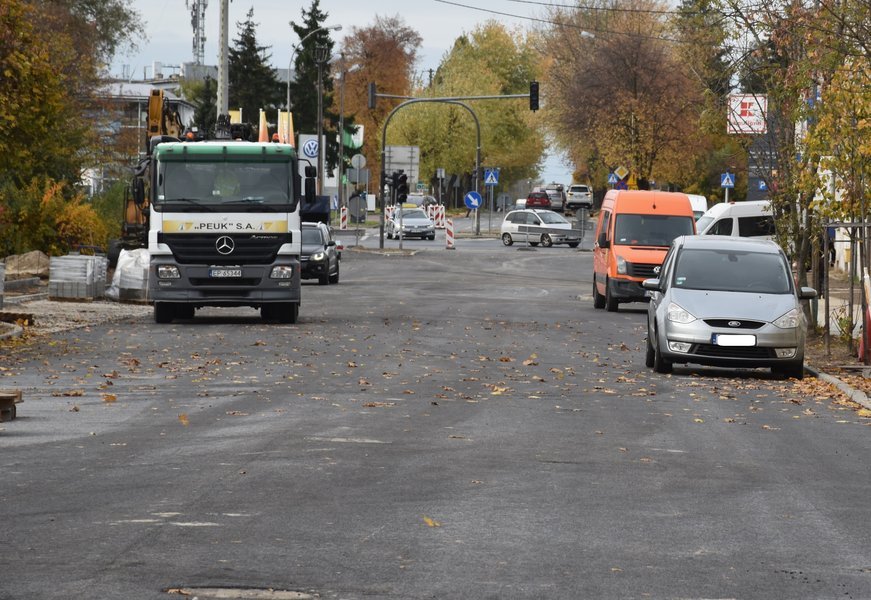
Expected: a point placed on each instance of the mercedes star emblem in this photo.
(225, 245)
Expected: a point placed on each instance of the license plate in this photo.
(225, 272)
(730, 339)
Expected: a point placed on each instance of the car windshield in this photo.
(650, 230)
(311, 236)
(732, 271)
(551, 217)
(413, 213)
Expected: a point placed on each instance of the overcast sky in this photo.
(169, 33)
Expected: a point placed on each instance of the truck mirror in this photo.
(602, 241)
(138, 191)
(311, 171)
(310, 191)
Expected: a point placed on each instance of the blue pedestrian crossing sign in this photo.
(473, 200)
(491, 176)
(727, 180)
(763, 187)
(613, 179)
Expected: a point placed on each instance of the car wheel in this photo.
(649, 353)
(546, 240)
(794, 370)
(506, 239)
(324, 279)
(660, 363)
(432, 237)
(533, 244)
(598, 299)
(164, 312)
(335, 277)
(610, 301)
(574, 244)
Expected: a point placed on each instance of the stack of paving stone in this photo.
(77, 277)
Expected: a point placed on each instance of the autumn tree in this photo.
(383, 53)
(490, 61)
(618, 92)
(253, 84)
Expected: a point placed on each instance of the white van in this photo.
(751, 219)
(699, 204)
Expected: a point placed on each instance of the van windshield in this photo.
(650, 230)
(703, 223)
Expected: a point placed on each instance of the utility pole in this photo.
(223, 104)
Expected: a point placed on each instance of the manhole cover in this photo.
(206, 593)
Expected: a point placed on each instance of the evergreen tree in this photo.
(304, 87)
(253, 83)
(204, 100)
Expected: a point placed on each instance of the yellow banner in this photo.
(229, 227)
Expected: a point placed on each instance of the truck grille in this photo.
(201, 248)
(642, 270)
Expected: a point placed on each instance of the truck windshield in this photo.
(650, 230)
(212, 184)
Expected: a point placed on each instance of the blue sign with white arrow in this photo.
(473, 200)
(727, 180)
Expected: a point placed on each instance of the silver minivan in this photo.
(728, 302)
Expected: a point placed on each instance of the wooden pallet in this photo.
(8, 400)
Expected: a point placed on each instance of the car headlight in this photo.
(318, 256)
(621, 265)
(788, 321)
(678, 314)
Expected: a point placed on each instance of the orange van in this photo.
(634, 231)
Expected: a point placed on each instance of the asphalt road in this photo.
(452, 424)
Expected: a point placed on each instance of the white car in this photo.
(579, 196)
(414, 222)
(538, 226)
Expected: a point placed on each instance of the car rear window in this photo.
(732, 271)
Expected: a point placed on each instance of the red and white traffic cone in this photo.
(449, 235)
(343, 218)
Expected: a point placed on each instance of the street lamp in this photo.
(342, 128)
(322, 54)
(296, 48)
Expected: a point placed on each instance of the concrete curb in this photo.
(10, 330)
(852, 393)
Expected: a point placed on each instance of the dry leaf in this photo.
(183, 419)
(431, 523)
(109, 398)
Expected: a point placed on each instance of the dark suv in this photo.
(538, 200)
(320, 256)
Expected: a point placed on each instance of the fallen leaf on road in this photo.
(183, 419)
(109, 398)
(431, 522)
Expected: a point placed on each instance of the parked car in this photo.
(538, 200)
(538, 226)
(726, 301)
(320, 255)
(557, 194)
(419, 200)
(579, 196)
(414, 223)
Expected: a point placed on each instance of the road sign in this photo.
(621, 172)
(727, 180)
(613, 179)
(621, 185)
(473, 200)
(358, 161)
(421, 186)
(491, 177)
(763, 187)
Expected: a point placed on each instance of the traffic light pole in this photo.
(456, 101)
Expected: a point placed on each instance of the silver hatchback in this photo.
(728, 302)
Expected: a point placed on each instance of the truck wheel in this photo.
(164, 312)
(185, 311)
(288, 312)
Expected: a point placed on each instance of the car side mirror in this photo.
(602, 241)
(651, 285)
(806, 293)
(331, 243)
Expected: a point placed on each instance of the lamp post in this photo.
(322, 54)
(296, 48)
(342, 129)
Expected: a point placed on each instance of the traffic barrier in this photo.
(343, 218)
(449, 234)
(440, 216)
(388, 212)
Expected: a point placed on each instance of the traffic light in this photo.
(372, 95)
(533, 95)
(401, 187)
